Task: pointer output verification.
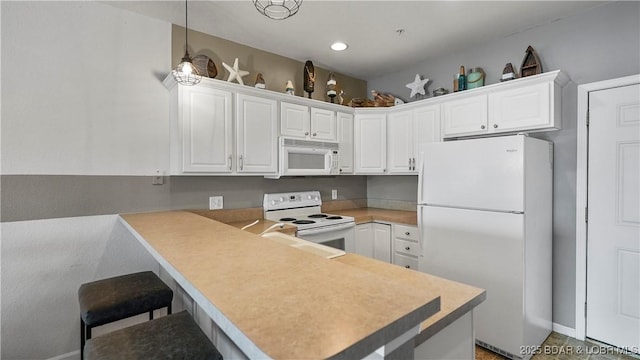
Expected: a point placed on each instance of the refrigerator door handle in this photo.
(420, 229)
(420, 177)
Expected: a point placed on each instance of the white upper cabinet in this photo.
(323, 124)
(370, 152)
(201, 130)
(257, 140)
(345, 139)
(405, 131)
(527, 104)
(466, 116)
(521, 108)
(294, 120)
(301, 121)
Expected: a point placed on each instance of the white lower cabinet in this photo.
(406, 246)
(374, 240)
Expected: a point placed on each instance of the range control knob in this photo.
(281, 199)
(273, 202)
(309, 197)
(316, 198)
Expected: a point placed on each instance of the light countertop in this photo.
(285, 302)
(365, 215)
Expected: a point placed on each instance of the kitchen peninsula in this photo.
(273, 301)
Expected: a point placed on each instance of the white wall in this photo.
(81, 94)
(81, 90)
(593, 45)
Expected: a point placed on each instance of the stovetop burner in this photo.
(288, 219)
(317, 216)
(303, 222)
(334, 217)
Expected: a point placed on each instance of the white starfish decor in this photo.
(235, 73)
(417, 86)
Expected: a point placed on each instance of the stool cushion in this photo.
(174, 336)
(120, 297)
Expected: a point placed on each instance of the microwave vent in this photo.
(311, 144)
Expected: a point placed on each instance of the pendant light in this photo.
(185, 73)
(277, 9)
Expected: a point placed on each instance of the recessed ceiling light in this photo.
(338, 46)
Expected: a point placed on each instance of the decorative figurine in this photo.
(309, 77)
(475, 78)
(235, 73)
(530, 64)
(417, 86)
(205, 66)
(260, 84)
(340, 98)
(331, 87)
(289, 90)
(508, 73)
(382, 100)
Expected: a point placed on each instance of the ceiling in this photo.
(429, 28)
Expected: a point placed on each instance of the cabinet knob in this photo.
(230, 162)
(340, 169)
(384, 170)
(407, 233)
(306, 133)
(407, 266)
(407, 248)
(495, 126)
(315, 134)
(482, 127)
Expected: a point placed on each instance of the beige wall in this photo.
(276, 69)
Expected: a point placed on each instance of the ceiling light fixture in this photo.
(277, 9)
(339, 46)
(185, 73)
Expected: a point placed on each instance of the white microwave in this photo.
(308, 157)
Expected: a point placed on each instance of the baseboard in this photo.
(74, 355)
(564, 330)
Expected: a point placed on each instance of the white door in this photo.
(465, 116)
(345, 138)
(370, 143)
(323, 124)
(257, 137)
(382, 242)
(207, 130)
(400, 134)
(476, 174)
(294, 120)
(613, 235)
(364, 240)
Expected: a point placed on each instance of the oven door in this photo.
(341, 236)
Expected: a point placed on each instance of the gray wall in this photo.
(597, 44)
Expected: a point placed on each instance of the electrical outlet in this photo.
(334, 194)
(157, 178)
(215, 202)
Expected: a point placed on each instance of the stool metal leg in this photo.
(151, 315)
(169, 309)
(82, 339)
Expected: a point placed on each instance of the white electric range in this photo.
(304, 210)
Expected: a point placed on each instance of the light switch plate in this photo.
(334, 194)
(216, 202)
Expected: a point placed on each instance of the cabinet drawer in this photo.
(407, 247)
(406, 261)
(405, 232)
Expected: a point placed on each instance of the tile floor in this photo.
(561, 347)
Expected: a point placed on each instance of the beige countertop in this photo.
(287, 303)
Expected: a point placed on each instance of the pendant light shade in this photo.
(277, 9)
(186, 73)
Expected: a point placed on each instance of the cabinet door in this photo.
(520, 109)
(345, 138)
(364, 240)
(465, 116)
(207, 132)
(323, 124)
(382, 242)
(370, 150)
(294, 120)
(257, 140)
(400, 135)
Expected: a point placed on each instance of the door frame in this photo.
(581, 192)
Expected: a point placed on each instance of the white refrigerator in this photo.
(485, 219)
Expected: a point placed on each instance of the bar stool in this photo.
(108, 300)
(173, 337)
